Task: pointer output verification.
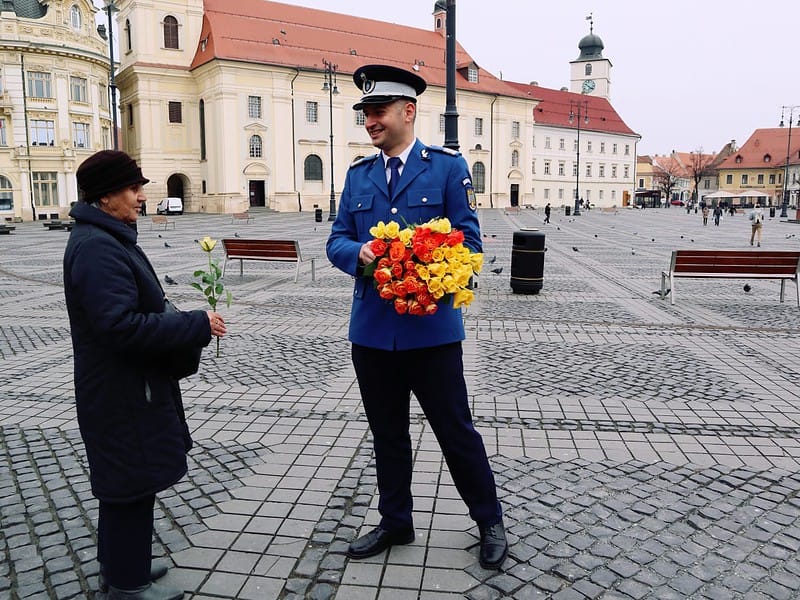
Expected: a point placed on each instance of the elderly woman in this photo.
(131, 347)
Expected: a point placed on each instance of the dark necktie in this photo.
(394, 165)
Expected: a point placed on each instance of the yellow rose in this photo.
(435, 287)
(449, 284)
(476, 260)
(423, 272)
(392, 229)
(450, 254)
(207, 244)
(462, 298)
(437, 269)
(405, 236)
(378, 231)
(438, 254)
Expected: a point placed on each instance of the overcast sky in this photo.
(686, 74)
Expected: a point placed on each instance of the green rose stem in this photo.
(211, 279)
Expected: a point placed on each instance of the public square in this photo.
(641, 449)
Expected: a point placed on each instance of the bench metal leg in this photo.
(663, 285)
(224, 264)
(783, 287)
(313, 271)
(241, 267)
(797, 287)
(297, 271)
(672, 289)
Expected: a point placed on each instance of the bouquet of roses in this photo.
(418, 266)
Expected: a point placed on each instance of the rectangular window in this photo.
(614, 171)
(45, 188)
(360, 118)
(760, 179)
(175, 112)
(772, 179)
(575, 145)
(561, 144)
(547, 193)
(561, 166)
(574, 169)
(588, 195)
(547, 143)
(441, 123)
(588, 145)
(602, 172)
(641, 182)
(77, 89)
(533, 142)
(560, 193)
(533, 167)
(472, 75)
(102, 93)
(706, 184)
(744, 179)
(547, 167)
(515, 129)
(588, 169)
(613, 149)
(627, 171)
(106, 133)
(602, 150)
(254, 107)
(478, 126)
(613, 195)
(130, 115)
(729, 179)
(312, 112)
(601, 194)
(39, 85)
(3, 138)
(80, 135)
(43, 133)
(627, 149)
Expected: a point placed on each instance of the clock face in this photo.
(588, 86)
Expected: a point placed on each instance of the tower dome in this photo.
(591, 47)
(439, 6)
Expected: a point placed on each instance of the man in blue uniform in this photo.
(395, 355)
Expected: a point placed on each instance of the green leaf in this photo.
(196, 286)
(229, 298)
(198, 273)
(369, 269)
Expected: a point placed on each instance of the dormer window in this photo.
(472, 74)
(738, 159)
(767, 158)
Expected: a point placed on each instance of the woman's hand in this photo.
(366, 255)
(217, 323)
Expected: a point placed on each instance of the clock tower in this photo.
(590, 73)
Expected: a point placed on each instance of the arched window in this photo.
(6, 195)
(312, 168)
(75, 18)
(588, 69)
(170, 32)
(128, 38)
(479, 177)
(255, 146)
(515, 158)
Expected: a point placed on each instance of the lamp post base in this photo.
(784, 209)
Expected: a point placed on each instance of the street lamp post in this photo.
(111, 8)
(330, 86)
(790, 109)
(576, 107)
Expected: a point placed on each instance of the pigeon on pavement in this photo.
(166, 245)
(497, 271)
(170, 280)
(574, 248)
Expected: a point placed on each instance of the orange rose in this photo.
(455, 237)
(382, 275)
(400, 306)
(385, 291)
(397, 270)
(378, 247)
(397, 251)
(416, 309)
(384, 263)
(431, 309)
(400, 289)
(425, 298)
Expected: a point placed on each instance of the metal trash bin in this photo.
(527, 261)
(567, 210)
(771, 211)
(318, 215)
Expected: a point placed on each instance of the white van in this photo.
(170, 206)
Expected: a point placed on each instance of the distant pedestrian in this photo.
(547, 213)
(732, 210)
(756, 222)
(717, 215)
(705, 216)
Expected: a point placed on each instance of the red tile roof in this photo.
(771, 142)
(263, 32)
(554, 107)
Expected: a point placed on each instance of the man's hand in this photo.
(366, 255)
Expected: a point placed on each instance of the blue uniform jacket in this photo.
(435, 183)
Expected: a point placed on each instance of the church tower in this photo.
(590, 73)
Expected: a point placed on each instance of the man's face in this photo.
(390, 126)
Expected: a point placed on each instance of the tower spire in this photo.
(591, 23)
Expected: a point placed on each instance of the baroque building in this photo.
(223, 105)
(54, 103)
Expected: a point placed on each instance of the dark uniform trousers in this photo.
(436, 377)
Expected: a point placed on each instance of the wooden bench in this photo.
(242, 249)
(58, 224)
(242, 216)
(161, 220)
(733, 264)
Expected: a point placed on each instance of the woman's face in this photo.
(124, 204)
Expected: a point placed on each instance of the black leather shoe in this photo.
(378, 540)
(151, 591)
(158, 568)
(494, 546)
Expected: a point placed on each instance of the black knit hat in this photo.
(105, 172)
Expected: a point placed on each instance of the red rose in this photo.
(385, 291)
(397, 251)
(400, 306)
(416, 309)
(455, 237)
(382, 275)
(384, 263)
(378, 247)
(397, 270)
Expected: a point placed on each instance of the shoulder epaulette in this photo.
(363, 159)
(444, 150)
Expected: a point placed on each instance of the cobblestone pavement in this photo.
(641, 449)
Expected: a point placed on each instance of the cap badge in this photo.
(369, 84)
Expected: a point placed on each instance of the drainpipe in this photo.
(294, 145)
(491, 151)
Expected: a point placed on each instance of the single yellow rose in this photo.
(437, 269)
(438, 254)
(392, 229)
(423, 272)
(405, 236)
(378, 231)
(476, 260)
(449, 284)
(435, 287)
(463, 298)
(207, 244)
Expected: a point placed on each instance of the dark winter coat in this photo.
(129, 404)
